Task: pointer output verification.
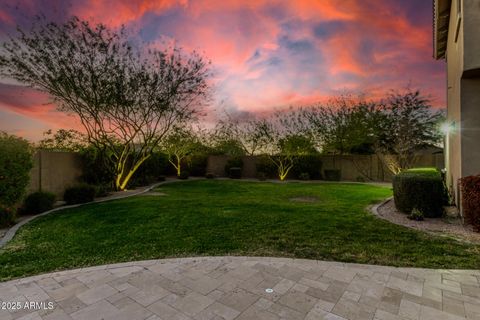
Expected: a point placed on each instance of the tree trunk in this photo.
(122, 180)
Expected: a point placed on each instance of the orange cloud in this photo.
(269, 54)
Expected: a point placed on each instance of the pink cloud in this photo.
(271, 54)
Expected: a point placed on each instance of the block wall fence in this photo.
(353, 167)
(56, 171)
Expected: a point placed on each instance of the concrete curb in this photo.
(374, 208)
(13, 230)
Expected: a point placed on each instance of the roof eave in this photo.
(441, 20)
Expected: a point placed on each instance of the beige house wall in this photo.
(471, 28)
(454, 57)
(463, 92)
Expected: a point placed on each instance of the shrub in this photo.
(416, 215)
(310, 164)
(261, 176)
(184, 175)
(96, 167)
(235, 173)
(7, 217)
(332, 174)
(197, 165)
(265, 167)
(235, 162)
(38, 202)
(15, 165)
(79, 194)
(210, 176)
(360, 179)
(161, 178)
(304, 176)
(470, 188)
(102, 190)
(422, 189)
(155, 166)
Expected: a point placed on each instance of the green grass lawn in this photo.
(209, 217)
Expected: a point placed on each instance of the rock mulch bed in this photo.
(448, 226)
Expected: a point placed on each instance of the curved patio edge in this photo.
(240, 287)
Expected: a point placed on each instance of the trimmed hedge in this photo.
(79, 194)
(422, 189)
(470, 188)
(38, 202)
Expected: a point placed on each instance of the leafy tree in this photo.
(128, 98)
(239, 136)
(344, 125)
(63, 140)
(15, 165)
(394, 129)
(179, 144)
(407, 125)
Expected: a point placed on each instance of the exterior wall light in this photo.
(447, 127)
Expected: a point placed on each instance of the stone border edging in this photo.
(13, 230)
(374, 208)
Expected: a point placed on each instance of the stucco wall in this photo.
(54, 172)
(454, 56)
(471, 25)
(462, 147)
(470, 99)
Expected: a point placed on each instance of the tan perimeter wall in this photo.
(54, 172)
(353, 167)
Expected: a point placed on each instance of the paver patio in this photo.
(235, 288)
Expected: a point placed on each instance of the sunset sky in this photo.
(265, 54)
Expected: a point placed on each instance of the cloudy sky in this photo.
(265, 54)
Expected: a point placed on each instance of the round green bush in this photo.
(422, 189)
(15, 165)
(38, 202)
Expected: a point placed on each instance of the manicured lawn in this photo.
(210, 217)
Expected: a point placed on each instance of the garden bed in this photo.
(450, 226)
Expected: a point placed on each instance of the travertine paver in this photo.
(215, 288)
